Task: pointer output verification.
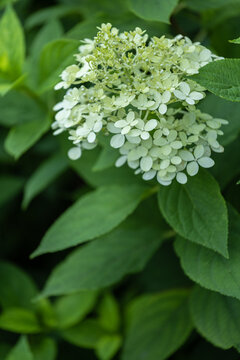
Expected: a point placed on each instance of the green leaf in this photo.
(44, 349)
(12, 46)
(107, 346)
(203, 5)
(7, 85)
(216, 317)
(93, 215)
(106, 260)
(223, 109)
(158, 325)
(54, 57)
(21, 137)
(17, 288)
(18, 108)
(209, 269)
(19, 320)
(222, 78)
(109, 314)
(10, 187)
(21, 351)
(106, 159)
(86, 334)
(71, 309)
(153, 10)
(45, 174)
(197, 211)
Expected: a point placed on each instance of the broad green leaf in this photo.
(222, 78)
(107, 346)
(10, 187)
(203, 5)
(153, 10)
(49, 32)
(226, 165)
(7, 85)
(44, 349)
(71, 309)
(158, 324)
(6, 2)
(45, 174)
(216, 317)
(106, 159)
(17, 288)
(12, 46)
(4, 349)
(86, 28)
(106, 260)
(19, 320)
(18, 108)
(21, 137)
(21, 351)
(197, 211)
(223, 109)
(93, 215)
(210, 269)
(51, 13)
(54, 57)
(109, 313)
(86, 334)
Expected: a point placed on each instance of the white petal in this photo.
(180, 95)
(117, 141)
(199, 151)
(149, 175)
(206, 162)
(176, 144)
(195, 95)
(145, 135)
(192, 168)
(164, 164)
(181, 178)
(130, 116)
(166, 96)
(74, 153)
(162, 109)
(120, 123)
(190, 101)
(126, 130)
(150, 125)
(205, 55)
(184, 87)
(146, 163)
(163, 182)
(113, 129)
(176, 160)
(133, 164)
(121, 161)
(186, 155)
(91, 137)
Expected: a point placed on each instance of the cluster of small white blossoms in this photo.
(137, 91)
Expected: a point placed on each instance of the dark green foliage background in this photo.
(159, 275)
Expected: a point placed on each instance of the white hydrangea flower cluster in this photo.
(137, 91)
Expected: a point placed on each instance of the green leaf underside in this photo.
(43, 176)
(93, 215)
(197, 211)
(19, 320)
(21, 137)
(222, 78)
(153, 10)
(158, 325)
(107, 346)
(106, 260)
(21, 351)
(216, 317)
(209, 269)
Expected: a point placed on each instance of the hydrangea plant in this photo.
(138, 92)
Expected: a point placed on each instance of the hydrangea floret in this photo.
(138, 92)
